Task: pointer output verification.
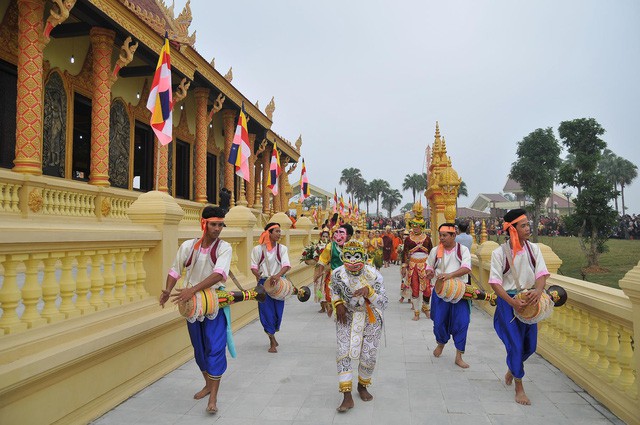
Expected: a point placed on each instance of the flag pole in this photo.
(157, 164)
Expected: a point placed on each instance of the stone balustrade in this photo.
(591, 338)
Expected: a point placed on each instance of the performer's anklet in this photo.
(345, 387)
(364, 382)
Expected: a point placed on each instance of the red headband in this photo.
(513, 233)
(448, 229)
(264, 236)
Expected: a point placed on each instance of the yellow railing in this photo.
(591, 338)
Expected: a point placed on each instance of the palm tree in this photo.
(609, 167)
(350, 177)
(462, 191)
(628, 171)
(391, 199)
(416, 183)
(359, 190)
(376, 188)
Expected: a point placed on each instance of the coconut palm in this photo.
(391, 199)
(628, 171)
(350, 178)
(462, 190)
(376, 188)
(416, 183)
(609, 167)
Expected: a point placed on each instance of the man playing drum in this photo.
(449, 260)
(269, 263)
(207, 262)
(359, 298)
(525, 269)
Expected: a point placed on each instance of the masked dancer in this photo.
(359, 298)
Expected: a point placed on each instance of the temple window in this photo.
(81, 163)
(143, 158)
(212, 172)
(9, 90)
(183, 169)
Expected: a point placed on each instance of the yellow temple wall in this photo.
(59, 51)
(81, 269)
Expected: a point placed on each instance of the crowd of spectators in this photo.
(628, 227)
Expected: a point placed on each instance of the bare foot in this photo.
(438, 351)
(521, 397)
(347, 403)
(272, 349)
(508, 378)
(401, 299)
(365, 395)
(461, 362)
(416, 317)
(426, 313)
(202, 393)
(212, 406)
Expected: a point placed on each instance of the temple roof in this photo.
(161, 18)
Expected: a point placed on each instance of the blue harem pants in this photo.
(450, 320)
(518, 338)
(270, 312)
(209, 340)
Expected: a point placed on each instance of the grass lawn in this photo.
(623, 255)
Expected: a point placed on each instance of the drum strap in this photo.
(507, 253)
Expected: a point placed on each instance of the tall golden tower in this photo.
(442, 185)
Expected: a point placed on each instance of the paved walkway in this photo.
(298, 385)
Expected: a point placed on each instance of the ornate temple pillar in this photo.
(257, 185)
(29, 104)
(162, 164)
(250, 186)
(228, 118)
(202, 122)
(282, 201)
(102, 46)
(266, 192)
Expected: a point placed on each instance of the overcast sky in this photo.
(365, 81)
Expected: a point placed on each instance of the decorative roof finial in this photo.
(270, 108)
(229, 75)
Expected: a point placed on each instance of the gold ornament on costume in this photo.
(418, 219)
(35, 200)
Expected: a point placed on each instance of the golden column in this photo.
(228, 118)
(161, 165)
(202, 123)
(266, 192)
(250, 186)
(257, 183)
(254, 167)
(102, 47)
(29, 103)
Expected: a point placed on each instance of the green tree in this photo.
(350, 178)
(538, 162)
(593, 219)
(628, 171)
(462, 190)
(582, 139)
(376, 188)
(608, 166)
(416, 183)
(359, 190)
(391, 199)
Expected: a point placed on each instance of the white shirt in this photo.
(523, 264)
(449, 260)
(269, 265)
